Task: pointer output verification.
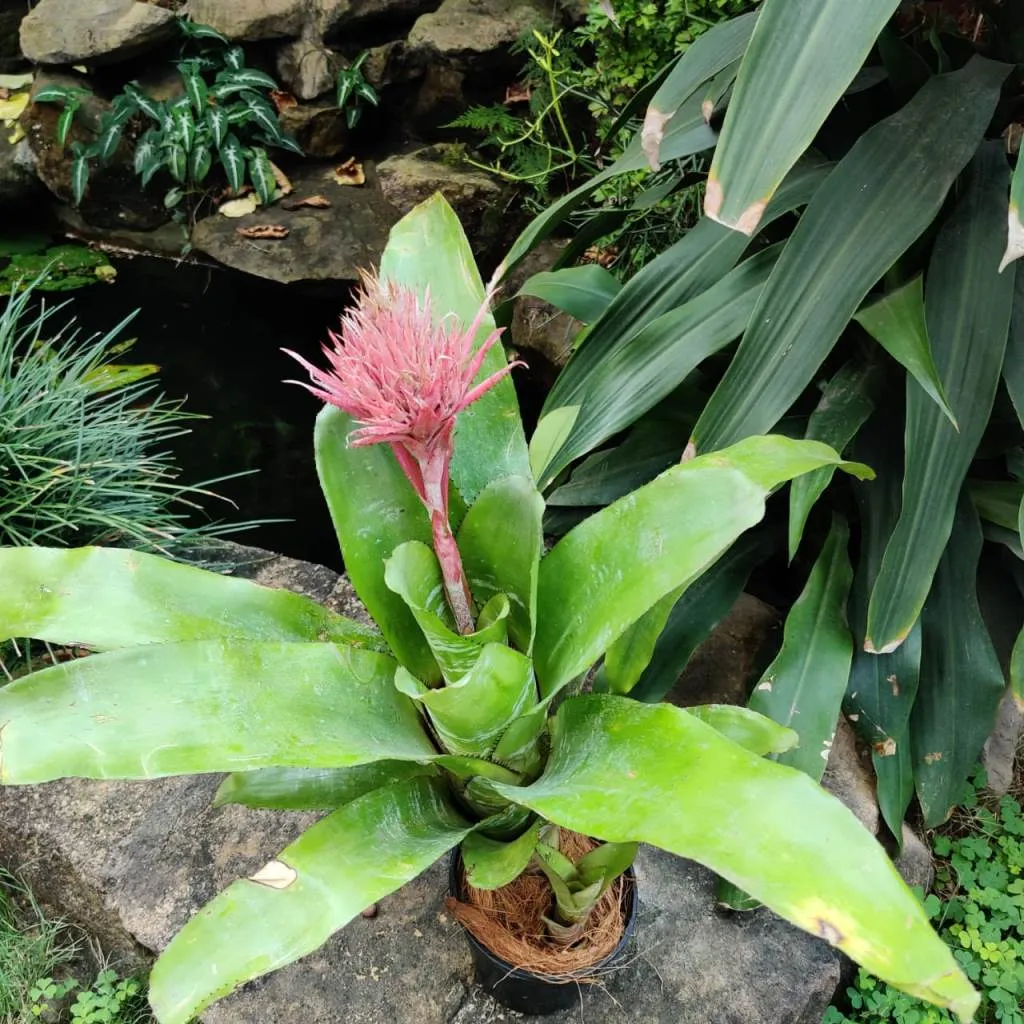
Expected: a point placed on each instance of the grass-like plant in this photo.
(84, 452)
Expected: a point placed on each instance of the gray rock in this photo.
(348, 15)
(724, 667)
(478, 199)
(1000, 748)
(249, 20)
(133, 861)
(306, 67)
(319, 128)
(322, 245)
(914, 861)
(849, 776)
(113, 198)
(72, 31)
(17, 182)
(465, 31)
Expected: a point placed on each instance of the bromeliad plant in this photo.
(224, 116)
(463, 720)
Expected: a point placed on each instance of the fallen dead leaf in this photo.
(518, 92)
(349, 173)
(11, 109)
(264, 231)
(239, 207)
(283, 100)
(317, 202)
(284, 186)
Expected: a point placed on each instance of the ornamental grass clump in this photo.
(449, 725)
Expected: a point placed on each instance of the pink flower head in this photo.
(404, 378)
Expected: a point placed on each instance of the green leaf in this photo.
(262, 176)
(427, 248)
(968, 308)
(313, 789)
(628, 656)
(195, 89)
(1017, 671)
(260, 111)
(582, 292)
(177, 163)
(245, 78)
(882, 195)
(200, 160)
(55, 94)
(470, 715)
(104, 598)
(184, 127)
(374, 509)
(676, 783)
(337, 868)
(109, 140)
(961, 679)
(412, 572)
(606, 379)
(490, 864)
(79, 178)
(882, 687)
(1013, 364)
(193, 30)
(173, 197)
(67, 115)
(217, 121)
(752, 731)
(109, 716)
(704, 603)
(147, 150)
(234, 58)
(604, 574)
(897, 322)
(1015, 233)
(550, 434)
(998, 501)
(501, 541)
(801, 58)
(232, 157)
(150, 107)
(613, 388)
(711, 53)
(846, 402)
(804, 686)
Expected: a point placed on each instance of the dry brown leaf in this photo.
(239, 207)
(316, 202)
(349, 173)
(517, 92)
(283, 184)
(283, 100)
(264, 231)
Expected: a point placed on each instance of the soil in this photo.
(509, 920)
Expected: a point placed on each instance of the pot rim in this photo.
(522, 974)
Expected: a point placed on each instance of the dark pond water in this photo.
(217, 337)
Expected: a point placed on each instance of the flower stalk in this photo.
(404, 378)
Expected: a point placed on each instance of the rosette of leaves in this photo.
(418, 737)
(224, 119)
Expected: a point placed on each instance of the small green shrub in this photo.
(978, 908)
(110, 999)
(353, 91)
(223, 117)
(83, 439)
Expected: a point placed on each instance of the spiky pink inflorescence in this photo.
(404, 378)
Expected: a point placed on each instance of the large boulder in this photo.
(470, 33)
(478, 199)
(18, 184)
(93, 31)
(249, 20)
(322, 246)
(133, 861)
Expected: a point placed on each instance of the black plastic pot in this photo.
(526, 991)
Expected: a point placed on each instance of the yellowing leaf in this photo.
(239, 207)
(11, 109)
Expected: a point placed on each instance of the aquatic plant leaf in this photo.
(315, 886)
(623, 771)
